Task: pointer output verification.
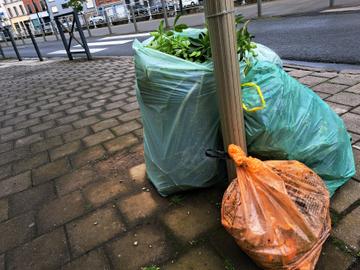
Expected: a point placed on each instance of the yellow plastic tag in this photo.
(258, 89)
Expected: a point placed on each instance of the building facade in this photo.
(17, 15)
(58, 7)
(38, 13)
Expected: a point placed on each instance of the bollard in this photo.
(167, 26)
(8, 32)
(331, 4)
(34, 42)
(134, 19)
(108, 22)
(87, 25)
(259, 6)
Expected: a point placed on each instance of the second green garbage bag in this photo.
(179, 110)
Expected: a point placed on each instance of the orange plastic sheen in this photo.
(277, 211)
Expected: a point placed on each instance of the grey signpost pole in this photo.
(332, 2)
(259, 7)
(108, 22)
(87, 25)
(163, 4)
(134, 19)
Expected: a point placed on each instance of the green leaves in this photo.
(199, 49)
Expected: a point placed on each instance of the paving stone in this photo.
(109, 123)
(355, 137)
(196, 218)
(357, 163)
(75, 180)
(65, 150)
(104, 191)
(226, 246)
(138, 206)
(109, 114)
(60, 211)
(50, 171)
(14, 155)
(13, 135)
(42, 127)
(16, 231)
(120, 143)
(15, 184)
(28, 111)
(346, 79)
(352, 121)
(118, 97)
(102, 225)
(28, 140)
(138, 173)
(53, 116)
(345, 98)
(76, 134)
(346, 229)
(39, 114)
(6, 130)
(99, 137)
(27, 123)
(31, 163)
(93, 111)
(46, 144)
(329, 88)
(130, 107)
(77, 109)
(4, 147)
(59, 130)
(129, 116)
(90, 154)
(62, 107)
(345, 196)
(5, 171)
(68, 119)
(126, 128)
(197, 258)
(325, 74)
(86, 122)
(354, 89)
(356, 110)
(4, 210)
(95, 260)
(2, 262)
(332, 258)
(125, 255)
(49, 251)
(30, 199)
(312, 81)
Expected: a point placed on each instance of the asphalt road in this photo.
(332, 38)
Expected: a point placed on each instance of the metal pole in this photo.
(332, 3)
(181, 7)
(82, 36)
(1, 52)
(87, 25)
(108, 22)
(62, 35)
(134, 19)
(13, 43)
(167, 26)
(221, 25)
(34, 42)
(54, 30)
(259, 6)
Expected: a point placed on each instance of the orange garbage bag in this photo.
(277, 211)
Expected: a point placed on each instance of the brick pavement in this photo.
(73, 187)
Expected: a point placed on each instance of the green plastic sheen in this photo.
(179, 110)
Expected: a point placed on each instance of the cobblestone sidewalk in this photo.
(73, 189)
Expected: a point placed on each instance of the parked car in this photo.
(96, 20)
(190, 3)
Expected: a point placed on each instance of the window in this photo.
(16, 11)
(89, 4)
(22, 10)
(54, 9)
(29, 9)
(64, 5)
(42, 5)
(10, 13)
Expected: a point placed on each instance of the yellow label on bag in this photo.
(258, 89)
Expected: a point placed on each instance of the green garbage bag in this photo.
(178, 104)
(296, 124)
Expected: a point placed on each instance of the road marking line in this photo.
(127, 36)
(64, 52)
(341, 9)
(105, 43)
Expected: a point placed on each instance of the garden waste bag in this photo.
(179, 109)
(277, 211)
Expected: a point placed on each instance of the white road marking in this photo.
(341, 9)
(91, 51)
(127, 36)
(106, 43)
